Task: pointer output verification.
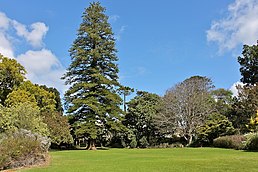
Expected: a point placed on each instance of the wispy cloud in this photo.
(119, 33)
(42, 65)
(113, 18)
(239, 26)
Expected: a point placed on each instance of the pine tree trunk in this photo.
(92, 144)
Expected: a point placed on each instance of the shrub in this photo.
(232, 142)
(252, 142)
(144, 142)
(177, 145)
(133, 143)
(22, 148)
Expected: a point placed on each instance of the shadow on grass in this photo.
(78, 148)
(250, 150)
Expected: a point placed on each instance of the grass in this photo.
(150, 160)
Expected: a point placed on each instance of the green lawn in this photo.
(159, 160)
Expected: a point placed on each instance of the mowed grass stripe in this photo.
(150, 160)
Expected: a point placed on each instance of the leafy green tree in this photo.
(223, 101)
(20, 96)
(12, 74)
(58, 126)
(244, 107)
(141, 111)
(93, 75)
(45, 99)
(58, 106)
(216, 125)
(249, 64)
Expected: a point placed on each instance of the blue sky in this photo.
(160, 43)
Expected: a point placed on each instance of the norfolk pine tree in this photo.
(92, 98)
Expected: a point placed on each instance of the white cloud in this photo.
(42, 66)
(6, 48)
(240, 26)
(234, 89)
(39, 62)
(36, 34)
(4, 21)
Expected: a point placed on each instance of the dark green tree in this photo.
(12, 74)
(223, 101)
(249, 64)
(244, 107)
(215, 126)
(93, 75)
(59, 128)
(141, 111)
(59, 107)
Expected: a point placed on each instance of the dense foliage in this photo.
(12, 74)
(216, 125)
(93, 76)
(139, 117)
(25, 130)
(249, 64)
(233, 142)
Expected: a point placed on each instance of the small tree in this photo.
(253, 124)
(133, 143)
(144, 142)
(216, 125)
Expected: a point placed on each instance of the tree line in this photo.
(191, 112)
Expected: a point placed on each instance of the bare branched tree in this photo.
(185, 107)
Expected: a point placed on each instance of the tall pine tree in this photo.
(92, 98)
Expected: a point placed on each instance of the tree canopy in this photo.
(12, 74)
(141, 111)
(249, 64)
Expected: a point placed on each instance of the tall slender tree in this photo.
(93, 98)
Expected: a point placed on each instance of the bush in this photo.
(22, 149)
(232, 142)
(144, 142)
(133, 143)
(252, 142)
